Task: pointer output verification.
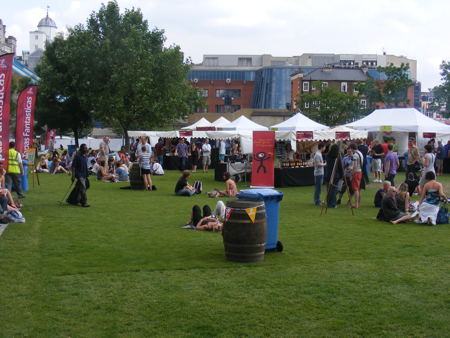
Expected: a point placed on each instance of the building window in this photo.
(202, 92)
(220, 108)
(355, 88)
(202, 110)
(211, 61)
(306, 86)
(245, 62)
(306, 105)
(344, 87)
(234, 93)
(363, 103)
(324, 84)
(312, 86)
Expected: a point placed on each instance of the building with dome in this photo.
(46, 32)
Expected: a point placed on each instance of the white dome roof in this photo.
(47, 22)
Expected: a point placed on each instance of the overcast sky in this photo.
(417, 29)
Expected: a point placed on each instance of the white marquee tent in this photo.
(399, 122)
(299, 122)
(220, 122)
(200, 123)
(243, 123)
(330, 134)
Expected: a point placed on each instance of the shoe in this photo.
(85, 205)
(21, 196)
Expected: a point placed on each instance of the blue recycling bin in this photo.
(271, 200)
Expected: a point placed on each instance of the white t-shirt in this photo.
(222, 148)
(157, 169)
(206, 148)
(148, 147)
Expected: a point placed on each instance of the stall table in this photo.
(294, 177)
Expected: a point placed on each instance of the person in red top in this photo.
(385, 147)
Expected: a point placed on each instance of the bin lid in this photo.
(260, 194)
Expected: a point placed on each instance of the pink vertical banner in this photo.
(25, 119)
(263, 168)
(6, 62)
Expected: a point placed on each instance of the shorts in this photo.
(145, 171)
(206, 160)
(376, 164)
(356, 181)
(439, 163)
(222, 157)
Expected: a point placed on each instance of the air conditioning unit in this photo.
(195, 80)
(228, 80)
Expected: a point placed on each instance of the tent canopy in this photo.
(220, 122)
(299, 122)
(243, 123)
(200, 123)
(330, 134)
(399, 119)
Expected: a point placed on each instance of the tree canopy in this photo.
(395, 88)
(120, 73)
(441, 93)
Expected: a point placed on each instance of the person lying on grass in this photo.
(230, 188)
(209, 221)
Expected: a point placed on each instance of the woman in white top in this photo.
(428, 165)
(144, 164)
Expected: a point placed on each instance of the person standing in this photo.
(144, 165)
(144, 143)
(357, 174)
(206, 154)
(159, 151)
(377, 155)
(80, 172)
(413, 164)
(428, 165)
(391, 164)
(440, 159)
(104, 150)
(14, 171)
(319, 165)
(222, 151)
(195, 156)
(182, 153)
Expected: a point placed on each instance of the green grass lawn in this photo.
(124, 267)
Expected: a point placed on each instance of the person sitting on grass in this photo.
(403, 197)
(183, 188)
(42, 166)
(103, 175)
(230, 188)
(56, 166)
(389, 211)
(430, 196)
(380, 194)
(6, 199)
(209, 221)
(122, 171)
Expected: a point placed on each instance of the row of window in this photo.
(344, 87)
(222, 93)
(362, 102)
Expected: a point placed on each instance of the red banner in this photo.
(25, 119)
(206, 128)
(185, 133)
(305, 135)
(429, 135)
(6, 62)
(342, 135)
(50, 137)
(263, 159)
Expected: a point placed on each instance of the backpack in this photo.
(15, 216)
(442, 216)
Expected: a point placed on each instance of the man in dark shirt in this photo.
(80, 172)
(389, 209)
(377, 155)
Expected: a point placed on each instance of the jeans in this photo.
(161, 160)
(185, 192)
(318, 181)
(13, 182)
(182, 163)
(3, 204)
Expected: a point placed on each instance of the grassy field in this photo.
(124, 267)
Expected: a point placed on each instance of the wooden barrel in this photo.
(244, 240)
(136, 181)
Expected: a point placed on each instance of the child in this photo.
(380, 194)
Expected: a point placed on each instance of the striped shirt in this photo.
(144, 160)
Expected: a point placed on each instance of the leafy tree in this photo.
(371, 92)
(395, 88)
(63, 97)
(136, 82)
(441, 93)
(329, 106)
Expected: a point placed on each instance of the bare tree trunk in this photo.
(127, 139)
(75, 134)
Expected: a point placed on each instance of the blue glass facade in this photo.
(273, 87)
(236, 75)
